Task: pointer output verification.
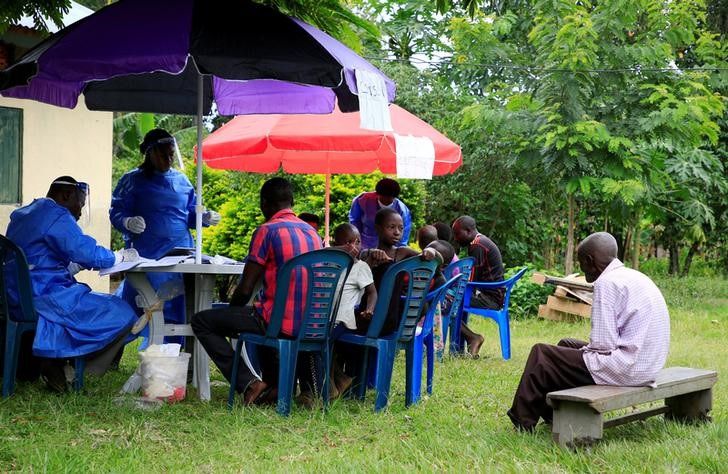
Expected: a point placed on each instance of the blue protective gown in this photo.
(166, 201)
(361, 215)
(72, 319)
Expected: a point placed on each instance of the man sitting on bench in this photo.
(629, 340)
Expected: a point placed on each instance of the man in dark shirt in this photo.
(488, 267)
(280, 238)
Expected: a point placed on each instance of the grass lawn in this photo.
(461, 427)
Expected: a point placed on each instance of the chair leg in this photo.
(430, 345)
(325, 355)
(413, 370)
(445, 331)
(10, 365)
(385, 363)
(234, 375)
(505, 336)
(79, 367)
(360, 383)
(286, 376)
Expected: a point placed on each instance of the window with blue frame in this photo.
(11, 153)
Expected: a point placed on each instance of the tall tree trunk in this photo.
(636, 232)
(674, 251)
(569, 261)
(689, 259)
(548, 254)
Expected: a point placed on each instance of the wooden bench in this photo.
(578, 412)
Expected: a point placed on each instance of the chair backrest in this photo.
(508, 285)
(319, 277)
(463, 267)
(436, 297)
(418, 273)
(15, 278)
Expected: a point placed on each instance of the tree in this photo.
(595, 75)
(12, 11)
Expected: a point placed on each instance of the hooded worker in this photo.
(364, 208)
(72, 320)
(153, 206)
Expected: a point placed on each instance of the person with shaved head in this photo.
(488, 267)
(628, 343)
(426, 235)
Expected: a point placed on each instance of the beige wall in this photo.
(77, 143)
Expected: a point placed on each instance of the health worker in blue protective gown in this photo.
(153, 206)
(72, 320)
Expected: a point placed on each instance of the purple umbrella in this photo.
(177, 56)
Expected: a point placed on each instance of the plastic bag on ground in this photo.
(163, 371)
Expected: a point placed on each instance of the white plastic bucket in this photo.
(164, 377)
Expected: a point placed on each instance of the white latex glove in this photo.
(211, 218)
(135, 224)
(126, 255)
(74, 268)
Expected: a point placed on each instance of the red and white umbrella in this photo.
(325, 144)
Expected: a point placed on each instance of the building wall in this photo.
(77, 143)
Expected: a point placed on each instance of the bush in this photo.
(526, 295)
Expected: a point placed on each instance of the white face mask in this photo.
(384, 205)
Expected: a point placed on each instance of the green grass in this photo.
(461, 427)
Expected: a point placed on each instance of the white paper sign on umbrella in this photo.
(373, 103)
(415, 156)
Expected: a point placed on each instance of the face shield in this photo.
(83, 209)
(168, 141)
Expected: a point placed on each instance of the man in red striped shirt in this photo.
(282, 237)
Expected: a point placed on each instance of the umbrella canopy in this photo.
(177, 56)
(320, 144)
(137, 55)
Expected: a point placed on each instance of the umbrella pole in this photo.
(198, 208)
(327, 206)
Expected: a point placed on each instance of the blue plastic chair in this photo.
(21, 318)
(450, 321)
(500, 316)
(426, 339)
(419, 275)
(322, 272)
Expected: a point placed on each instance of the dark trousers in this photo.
(213, 327)
(548, 368)
(97, 363)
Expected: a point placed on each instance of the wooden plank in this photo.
(638, 415)
(553, 315)
(671, 382)
(569, 283)
(582, 295)
(568, 306)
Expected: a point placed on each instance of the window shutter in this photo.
(11, 152)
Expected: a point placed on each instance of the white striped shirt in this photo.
(630, 328)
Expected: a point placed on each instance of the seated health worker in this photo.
(72, 320)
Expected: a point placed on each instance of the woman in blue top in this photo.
(153, 206)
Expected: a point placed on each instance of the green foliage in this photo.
(526, 295)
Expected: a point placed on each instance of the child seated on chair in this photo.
(360, 282)
(389, 227)
(445, 251)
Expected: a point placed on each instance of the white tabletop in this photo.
(202, 268)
